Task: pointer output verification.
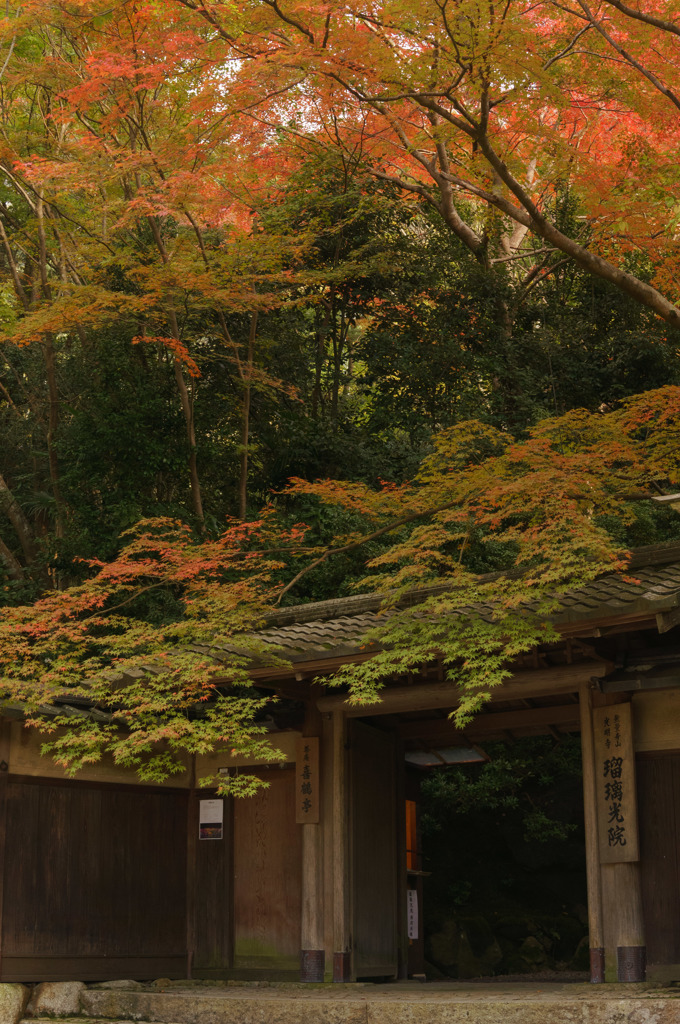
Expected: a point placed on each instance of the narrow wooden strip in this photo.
(595, 925)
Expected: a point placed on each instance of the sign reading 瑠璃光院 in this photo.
(307, 781)
(615, 784)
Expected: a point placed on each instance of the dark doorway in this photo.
(503, 845)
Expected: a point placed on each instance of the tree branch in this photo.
(363, 540)
(527, 213)
(648, 19)
(649, 75)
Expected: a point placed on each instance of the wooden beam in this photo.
(666, 620)
(425, 697)
(612, 624)
(312, 668)
(492, 722)
(441, 730)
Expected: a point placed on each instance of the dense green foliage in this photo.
(503, 843)
(390, 336)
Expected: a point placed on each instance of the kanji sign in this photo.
(307, 781)
(412, 912)
(615, 783)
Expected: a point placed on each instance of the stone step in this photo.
(389, 1004)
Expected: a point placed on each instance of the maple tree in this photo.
(99, 673)
(500, 103)
(128, 195)
(548, 501)
(555, 508)
(144, 150)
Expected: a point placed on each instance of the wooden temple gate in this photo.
(101, 878)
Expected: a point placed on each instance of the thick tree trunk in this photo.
(10, 562)
(21, 525)
(245, 419)
(188, 411)
(185, 398)
(52, 424)
(50, 368)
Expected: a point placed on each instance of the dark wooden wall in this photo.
(210, 894)
(267, 876)
(94, 881)
(374, 852)
(658, 777)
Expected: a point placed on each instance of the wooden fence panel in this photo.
(93, 876)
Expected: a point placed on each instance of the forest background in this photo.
(298, 298)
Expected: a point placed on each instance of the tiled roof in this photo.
(335, 629)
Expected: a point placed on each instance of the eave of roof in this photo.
(327, 633)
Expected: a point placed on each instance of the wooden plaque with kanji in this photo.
(615, 783)
(307, 781)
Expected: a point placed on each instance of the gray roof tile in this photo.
(336, 631)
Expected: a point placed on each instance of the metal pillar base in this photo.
(342, 967)
(312, 965)
(597, 965)
(631, 963)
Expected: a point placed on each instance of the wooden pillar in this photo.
(402, 877)
(5, 739)
(312, 953)
(595, 925)
(192, 857)
(616, 804)
(342, 959)
(624, 933)
(328, 838)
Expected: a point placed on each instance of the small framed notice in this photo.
(307, 781)
(211, 819)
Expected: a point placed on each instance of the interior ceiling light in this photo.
(439, 756)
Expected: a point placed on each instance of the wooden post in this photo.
(402, 878)
(595, 925)
(342, 960)
(625, 934)
(192, 853)
(312, 953)
(328, 838)
(623, 923)
(5, 741)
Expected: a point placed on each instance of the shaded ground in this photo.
(449, 1002)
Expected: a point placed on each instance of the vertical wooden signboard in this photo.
(615, 784)
(307, 781)
(412, 912)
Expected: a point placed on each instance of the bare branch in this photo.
(529, 253)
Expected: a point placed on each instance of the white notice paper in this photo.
(211, 819)
(412, 912)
